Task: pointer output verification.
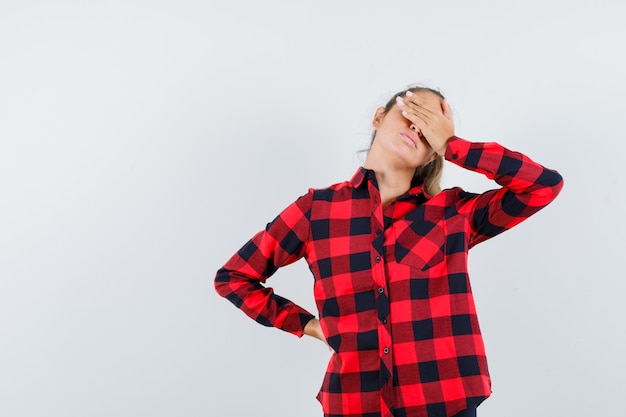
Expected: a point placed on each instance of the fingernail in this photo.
(409, 93)
(399, 101)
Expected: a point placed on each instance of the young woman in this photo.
(388, 251)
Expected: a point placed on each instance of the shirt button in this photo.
(386, 350)
(381, 290)
(378, 259)
(379, 232)
(455, 156)
(384, 321)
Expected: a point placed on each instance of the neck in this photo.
(392, 181)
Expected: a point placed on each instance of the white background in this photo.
(143, 142)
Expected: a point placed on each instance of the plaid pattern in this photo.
(391, 285)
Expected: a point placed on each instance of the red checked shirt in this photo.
(391, 284)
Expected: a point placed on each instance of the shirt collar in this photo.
(362, 174)
(359, 176)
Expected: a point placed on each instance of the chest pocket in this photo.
(420, 238)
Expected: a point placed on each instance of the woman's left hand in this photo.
(434, 124)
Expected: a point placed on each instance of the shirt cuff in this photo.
(304, 320)
(457, 149)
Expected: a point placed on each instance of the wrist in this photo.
(442, 151)
(310, 329)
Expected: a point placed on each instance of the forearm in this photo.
(261, 303)
(241, 278)
(512, 170)
(527, 186)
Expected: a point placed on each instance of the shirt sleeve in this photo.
(241, 279)
(527, 187)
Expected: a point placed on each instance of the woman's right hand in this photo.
(314, 329)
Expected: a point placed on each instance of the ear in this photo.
(378, 117)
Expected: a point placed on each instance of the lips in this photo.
(409, 139)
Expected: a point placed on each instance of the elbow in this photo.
(558, 184)
(220, 283)
(228, 288)
(561, 181)
(549, 178)
(552, 182)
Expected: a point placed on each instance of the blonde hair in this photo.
(430, 174)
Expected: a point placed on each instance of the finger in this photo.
(421, 111)
(419, 115)
(417, 105)
(420, 102)
(403, 102)
(407, 107)
(412, 111)
(417, 125)
(414, 118)
(447, 111)
(411, 96)
(425, 112)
